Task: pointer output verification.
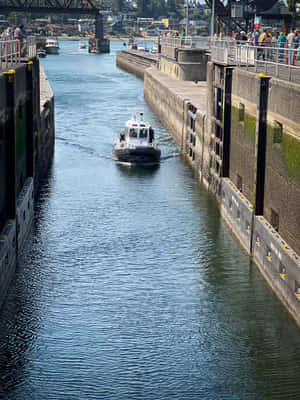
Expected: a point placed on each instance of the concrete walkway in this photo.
(196, 93)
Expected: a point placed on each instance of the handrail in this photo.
(185, 42)
(281, 62)
(13, 51)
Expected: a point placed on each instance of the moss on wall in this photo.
(291, 152)
(248, 125)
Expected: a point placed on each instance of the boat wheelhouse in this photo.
(52, 46)
(136, 144)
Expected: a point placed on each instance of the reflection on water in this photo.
(131, 285)
(137, 170)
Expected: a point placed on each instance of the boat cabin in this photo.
(138, 129)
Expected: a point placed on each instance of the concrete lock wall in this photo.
(20, 115)
(238, 212)
(184, 64)
(282, 172)
(170, 108)
(3, 155)
(279, 264)
(133, 63)
(26, 144)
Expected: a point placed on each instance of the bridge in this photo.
(85, 7)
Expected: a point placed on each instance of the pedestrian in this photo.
(256, 37)
(291, 43)
(281, 44)
(19, 34)
(297, 44)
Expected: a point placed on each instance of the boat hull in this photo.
(52, 50)
(138, 155)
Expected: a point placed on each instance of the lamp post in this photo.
(187, 18)
(212, 22)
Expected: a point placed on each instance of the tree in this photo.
(292, 5)
(158, 8)
(174, 6)
(117, 5)
(142, 9)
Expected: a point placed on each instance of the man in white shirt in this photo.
(291, 44)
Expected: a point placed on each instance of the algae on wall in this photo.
(242, 150)
(291, 151)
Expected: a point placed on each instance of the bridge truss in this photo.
(50, 6)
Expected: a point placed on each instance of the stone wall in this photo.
(26, 151)
(282, 173)
(169, 107)
(135, 63)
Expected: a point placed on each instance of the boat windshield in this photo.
(143, 133)
(133, 133)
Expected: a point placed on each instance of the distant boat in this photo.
(42, 53)
(136, 144)
(141, 46)
(154, 48)
(52, 46)
(131, 44)
(82, 45)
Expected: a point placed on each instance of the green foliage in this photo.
(117, 5)
(291, 148)
(292, 7)
(142, 9)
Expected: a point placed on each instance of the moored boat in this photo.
(136, 144)
(82, 45)
(52, 46)
(42, 54)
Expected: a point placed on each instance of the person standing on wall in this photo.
(291, 42)
(20, 35)
(281, 44)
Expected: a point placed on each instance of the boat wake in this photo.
(86, 149)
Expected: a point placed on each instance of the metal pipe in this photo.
(212, 22)
(187, 18)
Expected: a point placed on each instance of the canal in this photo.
(131, 286)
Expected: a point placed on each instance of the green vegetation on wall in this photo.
(248, 125)
(291, 151)
(289, 148)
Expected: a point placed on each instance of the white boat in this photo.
(82, 45)
(41, 53)
(141, 47)
(52, 46)
(154, 49)
(136, 144)
(131, 44)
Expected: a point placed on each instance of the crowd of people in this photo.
(265, 38)
(15, 33)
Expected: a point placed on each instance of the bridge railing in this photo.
(190, 42)
(13, 51)
(280, 62)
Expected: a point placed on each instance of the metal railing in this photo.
(280, 62)
(13, 51)
(191, 42)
